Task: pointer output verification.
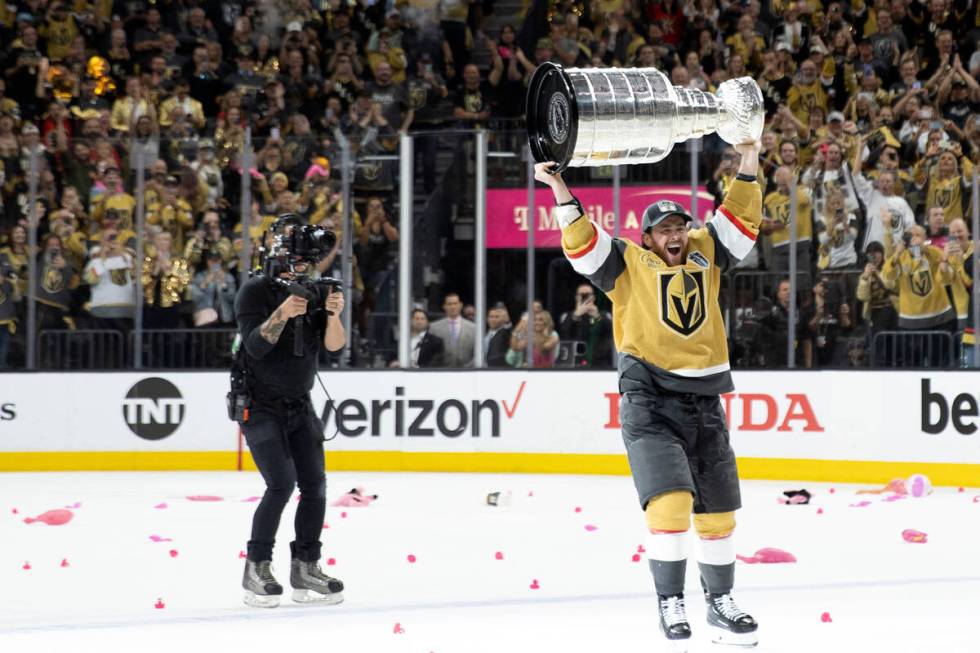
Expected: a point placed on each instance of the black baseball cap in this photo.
(661, 210)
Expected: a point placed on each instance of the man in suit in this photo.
(457, 334)
(497, 341)
(427, 349)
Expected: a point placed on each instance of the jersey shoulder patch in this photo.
(698, 259)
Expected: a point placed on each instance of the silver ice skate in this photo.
(311, 585)
(262, 590)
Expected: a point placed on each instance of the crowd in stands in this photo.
(872, 134)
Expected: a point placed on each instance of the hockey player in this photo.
(673, 366)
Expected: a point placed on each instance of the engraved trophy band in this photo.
(621, 116)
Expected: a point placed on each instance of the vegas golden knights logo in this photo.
(120, 277)
(920, 281)
(52, 281)
(682, 300)
(416, 97)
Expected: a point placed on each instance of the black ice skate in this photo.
(311, 585)
(673, 622)
(261, 588)
(728, 623)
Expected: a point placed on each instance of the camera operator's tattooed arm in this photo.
(260, 330)
(272, 328)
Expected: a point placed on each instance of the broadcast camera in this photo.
(296, 248)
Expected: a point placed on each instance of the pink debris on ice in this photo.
(498, 556)
(825, 617)
(160, 538)
(55, 517)
(411, 558)
(159, 605)
(535, 585)
(204, 497)
(915, 537)
(160, 506)
(768, 556)
(591, 527)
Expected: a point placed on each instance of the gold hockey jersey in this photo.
(669, 316)
(778, 206)
(923, 302)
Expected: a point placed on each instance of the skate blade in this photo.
(722, 636)
(261, 600)
(678, 645)
(309, 596)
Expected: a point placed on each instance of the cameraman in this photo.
(281, 335)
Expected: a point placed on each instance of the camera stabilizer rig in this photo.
(293, 244)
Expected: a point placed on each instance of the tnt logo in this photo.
(153, 408)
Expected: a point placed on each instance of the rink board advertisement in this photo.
(820, 425)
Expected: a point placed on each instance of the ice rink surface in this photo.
(94, 583)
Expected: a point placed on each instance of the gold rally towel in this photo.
(669, 316)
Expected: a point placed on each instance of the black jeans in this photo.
(287, 446)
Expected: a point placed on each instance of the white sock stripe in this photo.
(669, 547)
(717, 552)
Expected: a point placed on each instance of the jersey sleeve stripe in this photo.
(735, 221)
(731, 235)
(593, 255)
(579, 253)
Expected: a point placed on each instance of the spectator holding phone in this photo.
(54, 283)
(776, 222)
(9, 307)
(959, 248)
(837, 231)
(589, 325)
(921, 273)
(938, 175)
(110, 274)
(881, 197)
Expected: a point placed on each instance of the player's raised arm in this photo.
(735, 225)
(590, 250)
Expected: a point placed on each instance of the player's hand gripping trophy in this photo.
(622, 116)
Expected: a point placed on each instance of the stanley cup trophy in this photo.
(622, 116)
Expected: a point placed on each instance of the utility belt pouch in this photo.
(239, 402)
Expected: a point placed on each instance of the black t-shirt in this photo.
(776, 93)
(473, 100)
(960, 111)
(277, 370)
(393, 100)
(429, 105)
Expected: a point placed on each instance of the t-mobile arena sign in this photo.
(507, 211)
